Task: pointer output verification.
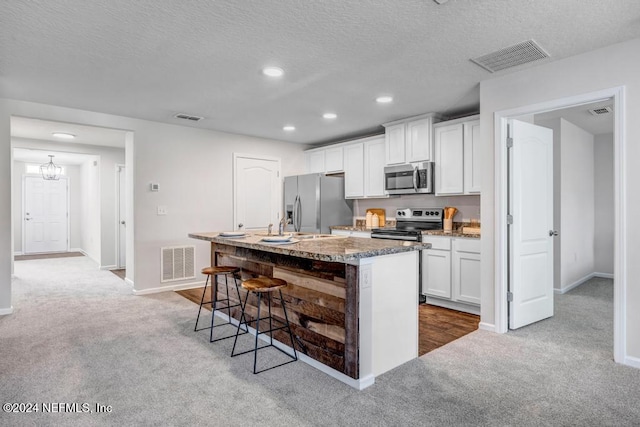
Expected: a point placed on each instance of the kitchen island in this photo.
(351, 302)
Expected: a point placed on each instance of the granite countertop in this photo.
(331, 248)
(352, 228)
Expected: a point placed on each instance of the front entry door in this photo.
(258, 192)
(531, 232)
(45, 219)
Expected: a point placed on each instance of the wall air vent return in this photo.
(188, 117)
(600, 110)
(512, 56)
(177, 263)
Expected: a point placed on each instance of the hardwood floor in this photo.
(121, 273)
(47, 256)
(438, 326)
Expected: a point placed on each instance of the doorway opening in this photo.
(504, 261)
(88, 160)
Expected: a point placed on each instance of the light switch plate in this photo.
(162, 210)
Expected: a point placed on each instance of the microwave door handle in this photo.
(415, 179)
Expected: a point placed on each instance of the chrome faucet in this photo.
(269, 228)
(283, 222)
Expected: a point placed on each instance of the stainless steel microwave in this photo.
(410, 178)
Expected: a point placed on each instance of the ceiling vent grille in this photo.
(188, 117)
(512, 56)
(600, 110)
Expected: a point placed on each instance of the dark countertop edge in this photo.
(341, 258)
(426, 232)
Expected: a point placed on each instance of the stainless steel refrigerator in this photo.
(314, 202)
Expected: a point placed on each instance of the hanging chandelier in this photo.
(50, 171)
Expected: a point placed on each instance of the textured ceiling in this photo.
(151, 59)
(22, 127)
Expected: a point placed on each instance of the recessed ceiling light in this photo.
(63, 135)
(289, 128)
(329, 115)
(384, 99)
(273, 71)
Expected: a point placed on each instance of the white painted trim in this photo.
(177, 287)
(18, 253)
(5, 311)
(620, 220)
(359, 384)
(454, 305)
(129, 282)
(487, 327)
(632, 361)
(108, 267)
(603, 275)
(118, 170)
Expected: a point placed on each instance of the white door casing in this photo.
(121, 225)
(45, 215)
(257, 191)
(530, 234)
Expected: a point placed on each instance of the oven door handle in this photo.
(386, 236)
(415, 179)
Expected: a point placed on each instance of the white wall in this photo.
(75, 206)
(90, 210)
(604, 203)
(558, 79)
(577, 203)
(193, 167)
(16, 204)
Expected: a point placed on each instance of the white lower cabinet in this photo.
(351, 233)
(451, 273)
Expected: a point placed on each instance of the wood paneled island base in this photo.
(354, 315)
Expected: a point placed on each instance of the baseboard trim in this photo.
(487, 326)
(18, 253)
(632, 361)
(178, 287)
(359, 384)
(108, 267)
(454, 305)
(129, 282)
(581, 281)
(5, 311)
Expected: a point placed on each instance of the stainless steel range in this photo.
(410, 223)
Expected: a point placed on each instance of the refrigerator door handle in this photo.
(298, 210)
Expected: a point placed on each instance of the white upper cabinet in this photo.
(315, 161)
(418, 142)
(409, 140)
(374, 159)
(395, 144)
(472, 157)
(457, 157)
(449, 159)
(354, 171)
(333, 159)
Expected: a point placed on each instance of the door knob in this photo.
(240, 226)
(122, 222)
(27, 219)
(553, 233)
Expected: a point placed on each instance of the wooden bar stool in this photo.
(259, 286)
(213, 273)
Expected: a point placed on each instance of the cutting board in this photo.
(381, 215)
(470, 230)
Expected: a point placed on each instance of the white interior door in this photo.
(530, 235)
(122, 215)
(45, 219)
(258, 192)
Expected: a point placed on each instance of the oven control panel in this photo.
(420, 214)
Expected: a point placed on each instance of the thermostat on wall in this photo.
(154, 186)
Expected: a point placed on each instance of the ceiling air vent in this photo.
(188, 117)
(600, 110)
(512, 56)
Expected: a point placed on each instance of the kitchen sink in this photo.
(298, 235)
